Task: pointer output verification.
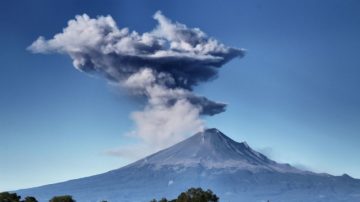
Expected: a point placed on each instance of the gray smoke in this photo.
(162, 65)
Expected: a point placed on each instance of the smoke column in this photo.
(161, 66)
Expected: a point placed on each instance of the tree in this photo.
(197, 195)
(193, 195)
(162, 200)
(30, 199)
(9, 197)
(65, 198)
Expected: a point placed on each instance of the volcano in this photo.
(210, 160)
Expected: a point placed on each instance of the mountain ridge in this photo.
(212, 149)
(208, 159)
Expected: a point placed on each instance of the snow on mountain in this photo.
(212, 149)
(212, 160)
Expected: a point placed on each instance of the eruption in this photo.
(162, 66)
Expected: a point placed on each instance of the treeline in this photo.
(191, 195)
(13, 197)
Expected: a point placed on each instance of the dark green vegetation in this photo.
(13, 197)
(191, 195)
(66, 198)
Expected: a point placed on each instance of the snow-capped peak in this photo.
(212, 149)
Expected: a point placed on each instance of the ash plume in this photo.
(162, 66)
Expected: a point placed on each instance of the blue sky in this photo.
(294, 96)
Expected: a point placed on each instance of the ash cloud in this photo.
(162, 66)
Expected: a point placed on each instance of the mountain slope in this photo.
(212, 160)
(212, 149)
